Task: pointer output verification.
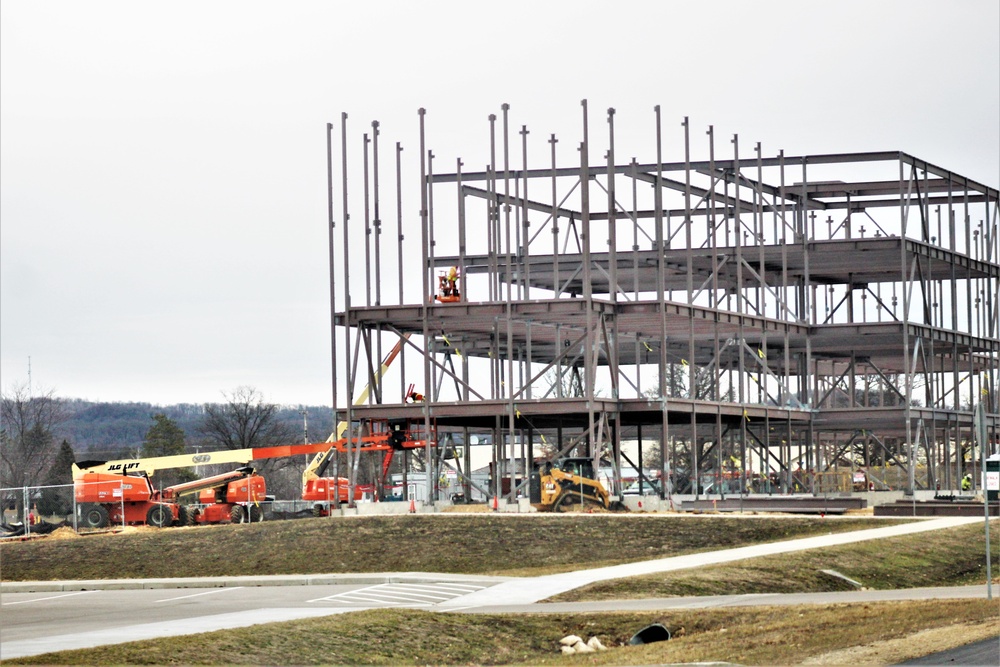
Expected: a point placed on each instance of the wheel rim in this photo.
(95, 518)
(159, 516)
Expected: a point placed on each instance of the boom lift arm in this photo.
(312, 487)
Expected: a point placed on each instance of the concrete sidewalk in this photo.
(527, 591)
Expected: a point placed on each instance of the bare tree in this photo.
(27, 444)
(244, 421)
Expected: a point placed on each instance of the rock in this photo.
(595, 643)
(569, 640)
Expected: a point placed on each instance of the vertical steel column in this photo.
(590, 372)
(665, 470)
(689, 260)
(525, 249)
(368, 224)
(713, 237)
(462, 281)
(758, 231)
(400, 271)
(377, 224)
(425, 269)
(612, 218)
(433, 391)
(613, 345)
(331, 225)
(508, 305)
(347, 311)
(555, 223)
(377, 221)
(811, 371)
(493, 219)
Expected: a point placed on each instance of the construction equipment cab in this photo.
(567, 483)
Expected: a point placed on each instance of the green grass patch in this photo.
(754, 636)
(948, 557)
(456, 543)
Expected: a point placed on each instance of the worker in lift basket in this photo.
(415, 397)
(451, 288)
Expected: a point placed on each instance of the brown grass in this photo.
(748, 636)
(463, 543)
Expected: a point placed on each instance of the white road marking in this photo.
(388, 594)
(194, 595)
(51, 597)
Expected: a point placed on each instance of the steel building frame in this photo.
(783, 315)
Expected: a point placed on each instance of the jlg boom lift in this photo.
(322, 490)
(131, 498)
(120, 491)
(232, 497)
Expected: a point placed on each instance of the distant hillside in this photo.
(114, 430)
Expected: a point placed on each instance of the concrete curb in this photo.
(245, 582)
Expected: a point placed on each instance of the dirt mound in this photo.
(64, 533)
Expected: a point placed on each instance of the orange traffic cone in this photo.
(413, 506)
(496, 504)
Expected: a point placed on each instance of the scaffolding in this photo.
(753, 321)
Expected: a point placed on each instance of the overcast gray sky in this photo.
(163, 165)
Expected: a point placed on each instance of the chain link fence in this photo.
(39, 510)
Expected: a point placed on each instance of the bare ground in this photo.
(919, 644)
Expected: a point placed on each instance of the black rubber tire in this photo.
(95, 516)
(237, 514)
(317, 510)
(159, 516)
(563, 502)
(256, 513)
(182, 516)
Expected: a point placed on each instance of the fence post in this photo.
(26, 512)
(121, 497)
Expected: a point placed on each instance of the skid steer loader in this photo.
(570, 484)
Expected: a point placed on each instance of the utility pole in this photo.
(305, 430)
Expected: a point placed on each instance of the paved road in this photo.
(48, 616)
(985, 653)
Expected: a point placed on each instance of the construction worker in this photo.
(452, 281)
(967, 482)
(415, 397)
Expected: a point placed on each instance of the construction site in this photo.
(747, 322)
(724, 329)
